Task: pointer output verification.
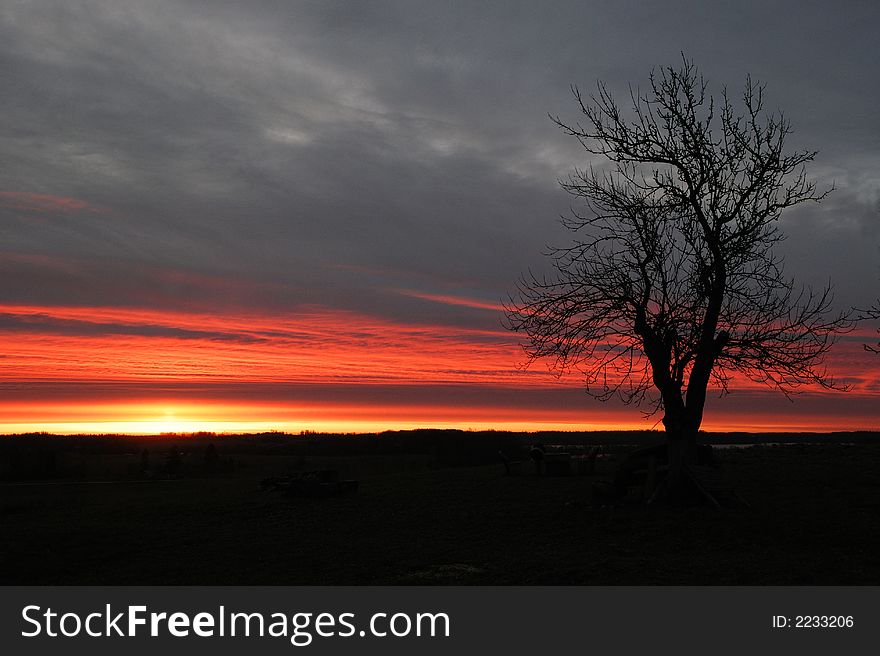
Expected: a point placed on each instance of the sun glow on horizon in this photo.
(151, 418)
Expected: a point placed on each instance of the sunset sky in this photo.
(239, 216)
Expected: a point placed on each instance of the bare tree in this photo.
(871, 314)
(672, 281)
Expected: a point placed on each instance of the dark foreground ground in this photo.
(431, 509)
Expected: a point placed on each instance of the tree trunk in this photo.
(681, 443)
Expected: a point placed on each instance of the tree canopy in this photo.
(673, 280)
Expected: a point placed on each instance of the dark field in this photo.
(432, 508)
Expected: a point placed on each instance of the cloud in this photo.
(284, 138)
(310, 344)
(447, 299)
(44, 204)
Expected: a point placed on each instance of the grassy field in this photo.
(425, 515)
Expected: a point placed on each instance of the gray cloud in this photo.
(303, 147)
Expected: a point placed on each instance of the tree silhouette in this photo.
(872, 313)
(672, 281)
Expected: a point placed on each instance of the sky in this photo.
(305, 215)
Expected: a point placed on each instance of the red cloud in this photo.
(24, 201)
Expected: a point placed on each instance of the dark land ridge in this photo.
(430, 507)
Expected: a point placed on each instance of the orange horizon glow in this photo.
(52, 355)
(157, 418)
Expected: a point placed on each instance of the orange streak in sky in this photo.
(53, 345)
(313, 345)
(447, 299)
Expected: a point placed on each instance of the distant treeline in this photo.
(47, 456)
